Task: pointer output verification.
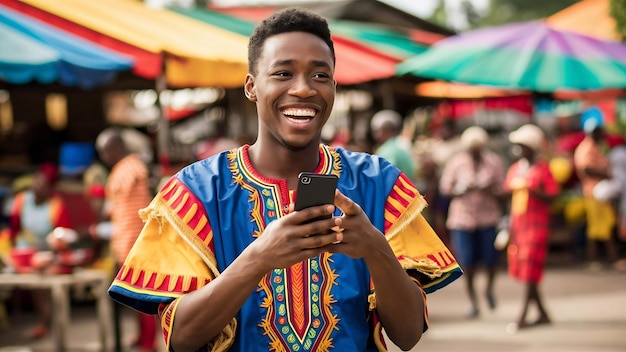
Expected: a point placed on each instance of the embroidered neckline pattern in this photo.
(269, 196)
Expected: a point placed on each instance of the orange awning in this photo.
(195, 54)
(449, 90)
(588, 17)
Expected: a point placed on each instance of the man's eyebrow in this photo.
(320, 63)
(281, 63)
(287, 62)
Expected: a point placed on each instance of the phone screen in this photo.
(314, 189)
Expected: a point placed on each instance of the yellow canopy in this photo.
(588, 17)
(196, 54)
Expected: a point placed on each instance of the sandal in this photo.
(542, 321)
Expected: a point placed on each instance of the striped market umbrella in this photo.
(31, 50)
(528, 55)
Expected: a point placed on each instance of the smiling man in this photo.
(229, 265)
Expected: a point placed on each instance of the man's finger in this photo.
(347, 205)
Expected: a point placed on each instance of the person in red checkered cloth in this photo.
(532, 188)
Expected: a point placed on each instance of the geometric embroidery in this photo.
(299, 317)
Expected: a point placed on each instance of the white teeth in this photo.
(299, 112)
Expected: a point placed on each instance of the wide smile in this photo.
(299, 117)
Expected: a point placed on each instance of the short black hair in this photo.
(286, 21)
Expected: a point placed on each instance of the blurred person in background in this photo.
(428, 183)
(35, 213)
(617, 157)
(386, 126)
(593, 166)
(473, 179)
(533, 189)
(445, 143)
(127, 191)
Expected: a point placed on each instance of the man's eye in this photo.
(282, 74)
(321, 75)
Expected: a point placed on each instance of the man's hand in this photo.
(290, 239)
(359, 236)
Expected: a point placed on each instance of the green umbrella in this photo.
(217, 19)
(528, 55)
(383, 39)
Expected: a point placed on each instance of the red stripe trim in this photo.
(449, 258)
(393, 210)
(399, 198)
(145, 283)
(411, 191)
(402, 192)
(168, 190)
(191, 200)
(168, 195)
(194, 221)
(436, 259)
(177, 201)
(166, 322)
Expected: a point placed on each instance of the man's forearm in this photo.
(201, 315)
(399, 300)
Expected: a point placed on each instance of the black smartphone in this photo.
(315, 189)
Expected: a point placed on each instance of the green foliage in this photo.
(508, 11)
(439, 15)
(618, 11)
(471, 14)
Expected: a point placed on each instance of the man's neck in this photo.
(282, 163)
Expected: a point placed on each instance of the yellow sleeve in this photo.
(418, 247)
(173, 254)
(161, 262)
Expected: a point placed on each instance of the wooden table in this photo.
(59, 286)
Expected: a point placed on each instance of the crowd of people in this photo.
(483, 202)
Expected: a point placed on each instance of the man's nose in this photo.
(302, 88)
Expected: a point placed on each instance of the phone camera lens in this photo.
(306, 180)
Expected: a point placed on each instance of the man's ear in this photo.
(249, 88)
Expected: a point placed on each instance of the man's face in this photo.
(383, 133)
(41, 187)
(106, 156)
(522, 151)
(294, 89)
